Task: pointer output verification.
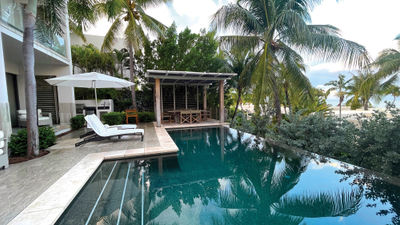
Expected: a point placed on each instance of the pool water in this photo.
(222, 176)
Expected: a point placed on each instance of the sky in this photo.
(367, 22)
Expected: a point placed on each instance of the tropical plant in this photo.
(394, 91)
(388, 61)
(120, 57)
(242, 62)
(133, 13)
(367, 85)
(279, 28)
(90, 59)
(340, 86)
(48, 17)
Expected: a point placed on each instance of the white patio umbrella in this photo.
(90, 80)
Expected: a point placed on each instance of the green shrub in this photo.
(18, 143)
(47, 137)
(113, 118)
(145, 117)
(77, 122)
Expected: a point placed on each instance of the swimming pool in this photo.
(222, 176)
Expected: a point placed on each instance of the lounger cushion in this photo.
(99, 128)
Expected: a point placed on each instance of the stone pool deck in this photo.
(40, 189)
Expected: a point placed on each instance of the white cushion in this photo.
(1, 152)
(1, 145)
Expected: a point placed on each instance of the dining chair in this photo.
(131, 113)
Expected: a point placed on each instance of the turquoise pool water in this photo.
(221, 176)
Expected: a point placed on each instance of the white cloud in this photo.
(367, 22)
(330, 67)
(195, 14)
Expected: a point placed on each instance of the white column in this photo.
(158, 105)
(66, 95)
(5, 117)
(221, 101)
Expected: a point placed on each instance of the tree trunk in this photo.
(132, 76)
(277, 102)
(287, 98)
(341, 98)
(30, 82)
(365, 105)
(237, 104)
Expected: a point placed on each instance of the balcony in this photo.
(11, 14)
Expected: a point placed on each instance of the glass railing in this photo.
(11, 14)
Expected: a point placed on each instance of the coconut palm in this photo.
(367, 85)
(281, 29)
(120, 57)
(132, 13)
(242, 62)
(48, 19)
(340, 86)
(394, 91)
(388, 61)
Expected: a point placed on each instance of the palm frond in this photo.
(243, 42)
(110, 35)
(328, 204)
(50, 20)
(235, 17)
(151, 24)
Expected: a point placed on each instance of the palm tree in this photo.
(279, 28)
(242, 62)
(48, 20)
(133, 13)
(394, 91)
(120, 57)
(367, 85)
(340, 86)
(388, 61)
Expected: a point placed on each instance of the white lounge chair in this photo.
(102, 132)
(98, 121)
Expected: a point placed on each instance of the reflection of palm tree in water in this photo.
(259, 194)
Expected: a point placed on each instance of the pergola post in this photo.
(185, 96)
(197, 97)
(221, 101)
(173, 87)
(204, 97)
(158, 103)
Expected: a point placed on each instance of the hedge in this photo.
(19, 142)
(115, 118)
(77, 122)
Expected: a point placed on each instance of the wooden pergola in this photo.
(187, 78)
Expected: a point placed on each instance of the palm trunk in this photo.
(30, 82)
(340, 110)
(287, 98)
(277, 102)
(237, 104)
(365, 104)
(132, 76)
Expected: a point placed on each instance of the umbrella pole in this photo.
(95, 97)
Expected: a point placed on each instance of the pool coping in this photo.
(49, 206)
